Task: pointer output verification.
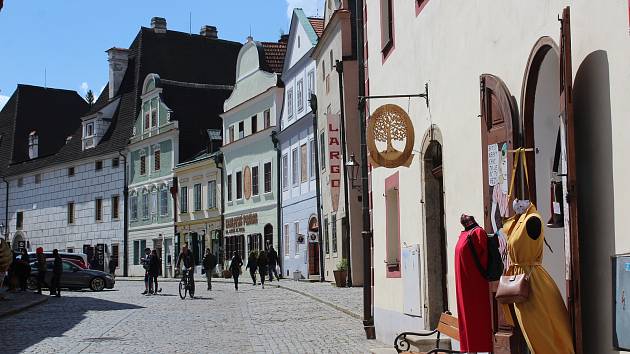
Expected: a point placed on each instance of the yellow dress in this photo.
(543, 317)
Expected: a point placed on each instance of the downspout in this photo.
(218, 162)
(368, 319)
(313, 103)
(276, 146)
(126, 218)
(345, 250)
(6, 210)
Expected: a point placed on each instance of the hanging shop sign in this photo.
(237, 224)
(334, 158)
(390, 125)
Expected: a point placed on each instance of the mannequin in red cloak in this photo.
(473, 302)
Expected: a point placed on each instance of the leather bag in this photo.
(513, 289)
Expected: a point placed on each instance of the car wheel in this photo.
(31, 283)
(97, 284)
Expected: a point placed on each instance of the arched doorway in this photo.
(435, 232)
(268, 231)
(19, 242)
(313, 246)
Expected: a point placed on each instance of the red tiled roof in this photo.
(274, 55)
(318, 25)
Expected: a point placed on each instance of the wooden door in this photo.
(313, 258)
(570, 181)
(498, 119)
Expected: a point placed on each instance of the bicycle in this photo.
(187, 284)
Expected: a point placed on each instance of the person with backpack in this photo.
(472, 288)
(209, 262)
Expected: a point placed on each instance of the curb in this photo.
(23, 308)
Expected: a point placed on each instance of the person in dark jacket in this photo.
(209, 262)
(262, 266)
(272, 258)
(23, 269)
(154, 272)
(188, 258)
(113, 263)
(57, 271)
(235, 268)
(41, 269)
(252, 261)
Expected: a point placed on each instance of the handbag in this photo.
(513, 289)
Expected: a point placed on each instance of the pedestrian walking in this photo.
(23, 269)
(57, 271)
(154, 272)
(145, 264)
(272, 261)
(113, 263)
(209, 262)
(252, 261)
(235, 268)
(41, 269)
(262, 266)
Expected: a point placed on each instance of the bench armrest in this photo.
(401, 344)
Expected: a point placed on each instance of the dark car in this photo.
(79, 259)
(73, 277)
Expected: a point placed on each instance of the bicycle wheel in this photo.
(191, 290)
(182, 289)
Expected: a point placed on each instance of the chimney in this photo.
(284, 38)
(158, 24)
(118, 59)
(209, 32)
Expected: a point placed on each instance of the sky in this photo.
(62, 44)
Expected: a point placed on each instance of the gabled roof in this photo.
(272, 55)
(318, 25)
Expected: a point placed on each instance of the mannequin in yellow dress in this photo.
(543, 318)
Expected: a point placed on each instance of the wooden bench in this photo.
(447, 326)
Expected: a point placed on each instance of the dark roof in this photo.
(318, 25)
(272, 55)
(172, 55)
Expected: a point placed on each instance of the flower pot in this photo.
(341, 278)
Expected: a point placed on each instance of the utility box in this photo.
(412, 280)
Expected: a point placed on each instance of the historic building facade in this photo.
(341, 207)
(499, 77)
(301, 248)
(250, 149)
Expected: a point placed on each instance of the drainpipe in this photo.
(6, 210)
(368, 320)
(313, 103)
(125, 218)
(276, 146)
(218, 162)
(345, 250)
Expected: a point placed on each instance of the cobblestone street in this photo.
(273, 320)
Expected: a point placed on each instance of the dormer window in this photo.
(33, 145)
(89, 130)
(89, 135)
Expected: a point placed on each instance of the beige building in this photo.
(511, 57)
(338, 45)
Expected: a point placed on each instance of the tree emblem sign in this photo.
(390, 127)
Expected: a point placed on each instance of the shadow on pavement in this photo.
(58, 316)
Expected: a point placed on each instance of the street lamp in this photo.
(352, 167)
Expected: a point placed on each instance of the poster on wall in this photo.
(621, 277)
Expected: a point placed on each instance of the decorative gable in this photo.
(96, 124)
(154, 113)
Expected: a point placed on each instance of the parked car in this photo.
(73, 277)
(79, 259)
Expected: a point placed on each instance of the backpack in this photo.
(495, 261)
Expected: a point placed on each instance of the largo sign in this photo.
(334, 158)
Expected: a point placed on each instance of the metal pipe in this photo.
(218, 160)
(276, 146)
(6, 210)
(345, 250)
(368, 319)
(313, 103)
(126, 217)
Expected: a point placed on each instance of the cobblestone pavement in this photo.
(253, 320)
(350, 299)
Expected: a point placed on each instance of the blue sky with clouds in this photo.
(67, 39)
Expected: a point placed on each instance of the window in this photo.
(154, 202)
(255, 180)
(147, 120)
(297, 234)
(229, 188)
(164, 201)
(333, 227)
(332, 65)
(183, 199)
(38, 178)
(254, 124)
(312, 160)
(285, 239)
(323, 70)
(267, 171)
(322, 151)
(299, 42)
(115, 162)
(231, 133)
(392, 226)
(300, 95)
(143, 164)
(145, 205)
(212, 194)
(136, 252)
(89, 129)
(239, 185)
(19, 220)
(327, 83)
(33, 145)
(326, 236)
(387, 26)
(311, 84)
(70, 213)
(156, 159)
(267, 116)
(290, 102)
(154, 118)
(98, 209)
(303, 163)
(197, 196)
(235, 243)
(285, 172)
(98, 165)
(241, 130)
(70, 171)
(295, 173)
(20, 182)
(115, 207)
(134, 207)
